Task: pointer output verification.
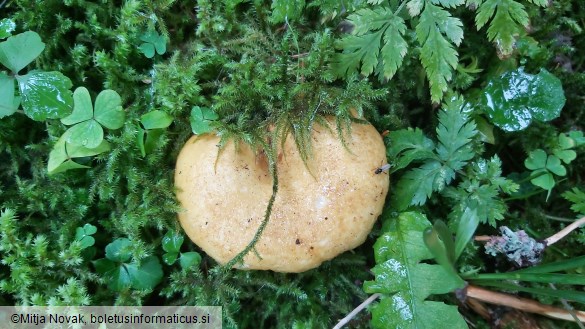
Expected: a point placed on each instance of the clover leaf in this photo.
(121, 274)
(152, 125)
(87, 123)
(61, 157)
(84, 235)
(514, 99)
(171, 243)
(8, 102)
(20, 50)
(152, 42)
(543, 167)
(201, 119)
(189, 259)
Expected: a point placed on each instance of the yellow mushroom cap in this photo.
(317, 214)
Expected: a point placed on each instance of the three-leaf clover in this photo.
(121, 274)
(543, 167)
(87, 130)
(84, 235)
(152, 42)
(152, 125)
(43, 95)
(171, 243)
(201, 119)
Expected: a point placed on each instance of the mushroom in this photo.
(323, 207)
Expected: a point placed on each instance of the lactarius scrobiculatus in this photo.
(323, 207)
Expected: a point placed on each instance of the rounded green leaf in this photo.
(545, 181)
(88, 134)
(147, 275)
(108, 109)
(536, 160)
(7, 99)
(156, 120)
(7, 26)
(82, 108)
(554, 165)
(117, 275)
(514, 99)
(119, 250)
(160, 45)
(189, 259)
(200, 119)
(20, 50)
(147, 49)
(170, 257)
(172, 242)
(45, 95)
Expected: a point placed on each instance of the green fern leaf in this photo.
(376, 43)
(403, 280)
(286, 10)
(448, 3)
(577, 197)
(437, 31)
(455, 133)
(509, 18)
(409, 145)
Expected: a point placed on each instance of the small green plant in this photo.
(545, 166)
(87, 120)
(84, 235)
(153, 42)
(171, 244)
(152, 125)
(201, 119)
(379, 38)
(43, 95)
(121, 273)
(403, 280)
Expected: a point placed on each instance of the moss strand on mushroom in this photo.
(251, 246)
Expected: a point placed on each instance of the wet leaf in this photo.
(403, 280)
(45, 95)
(170, 257)
(20, 50)
(7, 26)
(514, 99)
(88, 133)
(8, 103)
(172, 242)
